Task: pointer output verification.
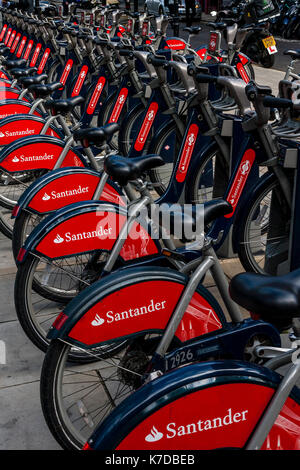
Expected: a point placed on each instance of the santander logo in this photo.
(67, 193)
(111, 316)
(97, 321)
(32, 158)
(72, 237)
(202, 425)
(16, 133)
(58, 239)
(154, 435)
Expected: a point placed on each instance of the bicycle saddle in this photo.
(64, 106)
(95, 135)
(274, 299)
(221, 25)
(4, 49)
(191, 216)
(27, 81)
(193, 29)
(17, 73)
(294, 53)
(123, 169)
(12, 64)
(41, 91)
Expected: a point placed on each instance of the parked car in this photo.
(164, 7)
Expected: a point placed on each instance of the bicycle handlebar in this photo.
(203, 78)
(157, 62)
(273, 102)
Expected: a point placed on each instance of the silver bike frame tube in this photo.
(182, 305)
(64, 152)
(100, 186)
(123, 234)
(222, 284)
(273, 409)
(35, 105)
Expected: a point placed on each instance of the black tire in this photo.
(11, 192)
(130, 129)
(254, 228)
(27, 318)
(55, 413)
(21, 231)
(6, 223)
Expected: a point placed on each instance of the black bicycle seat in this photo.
(193, 29)
(13, 64)
(17, 73)
(188, 218)
(294, 53)
(218, 26)
(41, 91)
(64, 106)
(123, 169)
(4, 49)
(27, 81)
(274, 299)
(95, 135)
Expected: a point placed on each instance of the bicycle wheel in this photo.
(76, 399)
(166, 144)
(12, 185)
(264, 230)
(43, 287)
(210, 179)
(23, 226)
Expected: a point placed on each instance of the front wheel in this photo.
(264, 230)
(23, 226)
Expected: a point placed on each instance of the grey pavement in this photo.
(22, 425)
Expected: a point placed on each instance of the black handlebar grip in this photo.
(157, 62)
(203, 78)
(273, 102)
(126, 53)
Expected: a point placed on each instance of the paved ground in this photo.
(22, 424)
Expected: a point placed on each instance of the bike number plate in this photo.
(270, 44)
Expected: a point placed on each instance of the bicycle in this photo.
(222, 404)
